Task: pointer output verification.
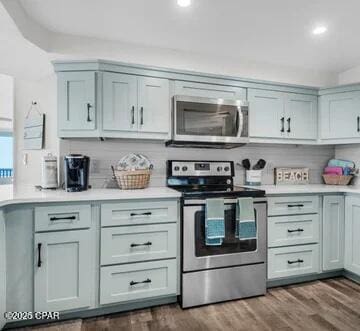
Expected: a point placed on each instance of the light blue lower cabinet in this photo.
(352, 234)
(121, 283)
(293, 261)
(126, 244)
(333, 242)
(293, 230)
(64, 270)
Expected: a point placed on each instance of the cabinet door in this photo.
(301, 116)
(333, 232)
(154, 105)
(352, 234)
(266, 113)
(63, 270)
(339, 115)
(209, 91)
(76, 101)
(119, 102)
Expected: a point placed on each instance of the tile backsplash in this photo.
(103, 154)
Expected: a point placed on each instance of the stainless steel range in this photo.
(236, 268)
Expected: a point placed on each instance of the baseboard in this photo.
(303, 279)
(352, 276)
(97, 312)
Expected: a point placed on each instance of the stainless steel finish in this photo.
(215, 169)
(242, 127)
(209, 286)
(193, 263)
(193, 202)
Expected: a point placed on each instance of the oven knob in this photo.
(184, 168)
(219, 169)
(176, 168)
(226, 168)
(228, 181)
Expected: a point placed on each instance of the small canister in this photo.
(49, 174)
(253, 177)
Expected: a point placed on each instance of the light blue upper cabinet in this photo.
(266, 113)
(340, 115)
(154, 106)
(120, 111)
(77, 115)
(352, 234)
(210, 91)
(301, 116)
(333, 232)
(281, 115)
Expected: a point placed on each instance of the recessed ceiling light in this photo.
(319, 29)
(184, 3)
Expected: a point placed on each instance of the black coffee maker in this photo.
(76, 172)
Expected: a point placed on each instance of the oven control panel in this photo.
(201, 168)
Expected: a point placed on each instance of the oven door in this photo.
(210, 120)
(233, 252)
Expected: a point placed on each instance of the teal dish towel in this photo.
(245, 219)
(214, 222)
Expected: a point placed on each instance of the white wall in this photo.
(6, 103)
(349, 76)
(44, 92)
(107, 153)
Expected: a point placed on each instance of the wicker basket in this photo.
(130, 180)
(337, 180)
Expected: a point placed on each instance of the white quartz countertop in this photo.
(307, 189)
(9, 196)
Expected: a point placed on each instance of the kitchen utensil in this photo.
(259, 165)
(246, 164)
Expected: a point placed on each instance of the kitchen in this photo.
(206, 199)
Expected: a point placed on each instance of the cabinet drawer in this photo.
(293, 205)
(140, 212)
(293, 261)
(138, 243)
(51, 218)
(137, 281)
(293, 230)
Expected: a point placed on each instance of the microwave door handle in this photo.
(240, 122)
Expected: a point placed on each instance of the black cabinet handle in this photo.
(297, 205)
(141, 115)
(89, 106)
(282, 120)
(149, 243)
(39, 255)
(296, 261)
(133, 115)
(146, 281)
(148, 213)
(358, 124)
(289, 127)
(297, 230)
(62, 218)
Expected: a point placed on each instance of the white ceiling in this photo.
(271, 31)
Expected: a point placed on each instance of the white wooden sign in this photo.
(291, 176)
(34, 129)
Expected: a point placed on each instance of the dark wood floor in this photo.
(332, 304)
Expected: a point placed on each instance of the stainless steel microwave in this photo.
(209, 123)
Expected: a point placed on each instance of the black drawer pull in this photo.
(146, 281)
(297, 230)
(149, 243)
(62, 218)
(39, 255)
(296, 261)
(296, 205)
(148, 213)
